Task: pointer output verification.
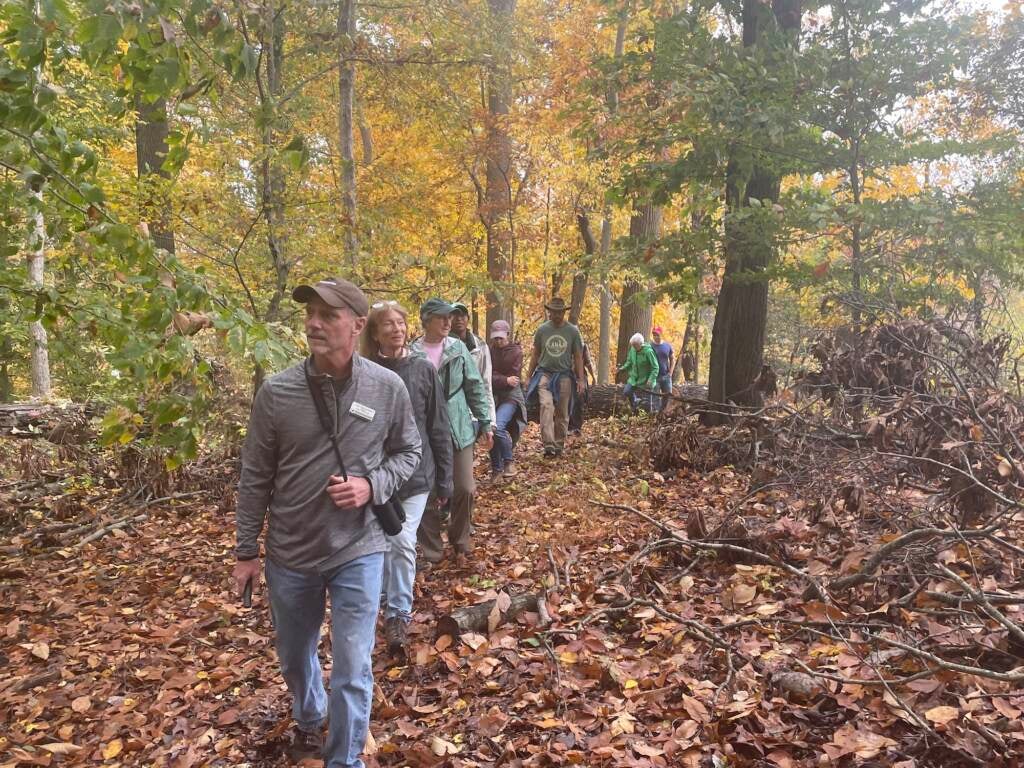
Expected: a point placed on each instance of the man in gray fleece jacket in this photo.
(323, 535)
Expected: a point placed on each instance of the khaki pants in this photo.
(463, 498)
(554, 418)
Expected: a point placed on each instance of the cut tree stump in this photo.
(474, 618)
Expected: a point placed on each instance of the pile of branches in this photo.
(904, 454)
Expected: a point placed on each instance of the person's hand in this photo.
(486, 440)
(353, 494)
(513, 381)
(580, 386)
(246, 570)
(442, 502)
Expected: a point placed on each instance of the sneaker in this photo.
(306, 744)
(510, 470)
(394, 634)
(549, 451)
(557, 451)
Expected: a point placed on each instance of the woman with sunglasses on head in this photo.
(384, 342)
(466, 397)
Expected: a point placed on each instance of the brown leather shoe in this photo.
(510, 469)
(394, 634)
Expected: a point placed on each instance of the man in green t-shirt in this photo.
(556, 374)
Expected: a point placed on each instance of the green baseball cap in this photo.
(435, 306)
(458, 306)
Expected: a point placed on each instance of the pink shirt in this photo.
(434, 353)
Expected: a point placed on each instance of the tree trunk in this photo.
(40, 365)
(604, 354)
(151, 129)
(636, 311)
(856, 260)
(346, 142)
(497, 207)
(737, 338)
(579, 280)
(272, 186)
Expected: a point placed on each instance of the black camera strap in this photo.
(325, 418)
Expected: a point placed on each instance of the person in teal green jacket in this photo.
(466, 395)
(641, 367)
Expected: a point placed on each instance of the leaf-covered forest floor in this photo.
(130, 649)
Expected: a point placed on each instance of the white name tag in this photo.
(363, 412)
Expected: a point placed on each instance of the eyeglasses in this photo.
(382, 304)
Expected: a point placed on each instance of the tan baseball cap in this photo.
(335, 292)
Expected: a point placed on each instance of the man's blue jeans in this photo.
(665, 386)
(501, 451)
(400, 560)
(297, 603)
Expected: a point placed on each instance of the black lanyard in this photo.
(325, 418)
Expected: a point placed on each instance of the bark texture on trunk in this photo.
(737, 339)
(272, 179)
(346, 141)
(604, 344)
(40, 363)
(636, 311)
(151, 129)
(497, 203)
(581, 278)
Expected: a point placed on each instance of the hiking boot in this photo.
(306, 744)
(494, 477)
(549, 451)
(461, 560)
(394, 634)
(510, 470)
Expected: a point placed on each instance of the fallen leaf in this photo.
(942, 715)
(81, 704)
(113, 749)
(41, 650)
(61, 748)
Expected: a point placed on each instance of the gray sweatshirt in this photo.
(287, 460)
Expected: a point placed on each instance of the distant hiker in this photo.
(477, 348)
(579, 404)
(641, 369)
(666, 358)
(507, 385)
(323, 536)
(556, 375)
(383, 341)
(466, 397)
(688, 363)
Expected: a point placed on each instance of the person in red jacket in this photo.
(509, 400)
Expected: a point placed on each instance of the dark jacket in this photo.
(434, 474)
(508, 361)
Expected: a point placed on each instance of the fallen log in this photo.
(474, 618)
(56, 423)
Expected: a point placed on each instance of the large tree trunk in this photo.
(497, 207)
(40, 364)
(737, 338)
(636, 311)
(346, 141)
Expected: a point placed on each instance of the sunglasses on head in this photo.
(382, 304)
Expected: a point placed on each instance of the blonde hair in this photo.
(368, 346)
